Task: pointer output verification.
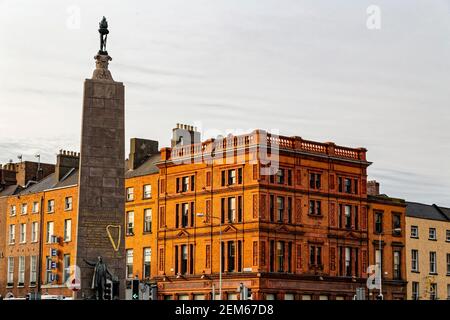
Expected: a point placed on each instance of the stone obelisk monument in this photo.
(101, 197)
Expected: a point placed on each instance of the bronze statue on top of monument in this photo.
(102, 58)
(103, 30)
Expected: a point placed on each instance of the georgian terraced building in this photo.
(288, 218)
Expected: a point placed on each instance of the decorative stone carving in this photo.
(101, 71)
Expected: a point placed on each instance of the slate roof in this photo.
(148, 167)
(425, 211)
(445, 211)
(9, 190)
(50, 182)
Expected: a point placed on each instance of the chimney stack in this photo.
(141, 150)
(65, 161)
(184, 134)
(373, 188)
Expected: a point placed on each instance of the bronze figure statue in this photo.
(101, 274)
(103, 30)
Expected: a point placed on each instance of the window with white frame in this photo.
(415, 260)
(414, 232)
(35, 208)
(129, 266)
(68, 203)
(185, 184)
(147, 262)
(147, 191)
(378, 260)
(33, 270)
(68, 230)
(433, 268)
(130, 223)
(415, 290)
(34, 231)
(432, 234)
(10, 279)
(23, 208)
(232, 209)
(50, 206)
(66, 262)
(21, 279)
(433, 291)
(130, 194)
(348, 261)
(23, 233)
(447, 235)
(397, 270)
(48, 270)
(50, 226)
(231, 177)
(12, 210)
(12, 233)
(148, 220)
(280, 209)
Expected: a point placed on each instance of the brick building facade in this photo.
(304, 230)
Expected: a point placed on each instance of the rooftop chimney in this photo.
(373, 188)
(141, 150)
(66, 161)
(185, 134)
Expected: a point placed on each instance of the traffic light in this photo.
(107, 295)
(135, 290)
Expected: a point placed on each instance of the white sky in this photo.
(306, 68)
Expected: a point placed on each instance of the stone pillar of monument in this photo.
(101, 198)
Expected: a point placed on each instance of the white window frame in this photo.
(147, 191)
(66, 270)
(21, 277)
(68, 203)
(232, 180)
(33, 270)
(34, 231)
(12, 234)
(147, 259)
(35, 208)
(148, 217)
(130, 193)
(13, 210)
(414, 260)
(23, 208)
(50, 231)
(433, 262)
(415, 289)
(232, 209)
(185, 182)
(130, 223)
(434, 237)
(67, 230)
(414, 234)
(50, 206)
(129, 262)
(23, 233)
(10, 277)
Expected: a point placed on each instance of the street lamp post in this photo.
(220, 258)
(381, 256)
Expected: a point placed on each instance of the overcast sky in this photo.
(308, 68)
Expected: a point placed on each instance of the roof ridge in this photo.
(440, 211)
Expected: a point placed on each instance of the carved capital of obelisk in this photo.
(101, 71)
